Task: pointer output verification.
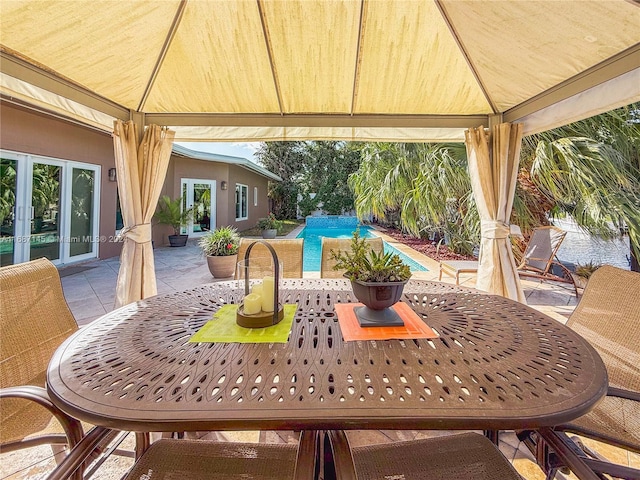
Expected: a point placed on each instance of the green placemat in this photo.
(223, 328)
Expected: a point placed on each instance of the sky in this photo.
(235, 149)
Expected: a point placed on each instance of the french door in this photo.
(200, 195)
(48, 208)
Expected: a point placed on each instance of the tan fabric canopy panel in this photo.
(202, 61)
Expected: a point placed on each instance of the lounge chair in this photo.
(343, 244)
(289, 251)
(454, 268)
(539, 259)
(608, 316)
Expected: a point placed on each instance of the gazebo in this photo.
(408, 70)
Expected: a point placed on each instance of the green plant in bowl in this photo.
(377, 280)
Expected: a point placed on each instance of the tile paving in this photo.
(90, 292)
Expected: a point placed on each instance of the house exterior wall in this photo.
(239, 175)
(25, 131)
(180, 167)
(28, 132)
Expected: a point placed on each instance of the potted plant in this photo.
(269, 226)
(582, 273)
(377, 280)
(221, 249)
(170, 213)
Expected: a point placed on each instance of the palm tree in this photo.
(423, 187)
(591, 170)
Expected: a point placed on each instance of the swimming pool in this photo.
(313, 245)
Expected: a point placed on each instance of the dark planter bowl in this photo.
(377, 298)
(378, 295)
(178, 240)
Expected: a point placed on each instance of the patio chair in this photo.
(327, 263)
(539, 259)
(34, 320)
(608, 316)
(168, 459)
(289, 252)
(467, 455)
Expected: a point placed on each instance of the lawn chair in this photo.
(289, 251)
(539, 259)
(34, 320)
(459, 456)
(608, 316)
(344, 244)
(169, 459)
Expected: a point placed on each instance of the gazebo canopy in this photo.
(401, 70)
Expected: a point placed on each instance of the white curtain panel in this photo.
(141, 170)
(493, 166)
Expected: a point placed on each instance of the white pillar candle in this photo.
(268, 286)
(252, 304)
(257, 288)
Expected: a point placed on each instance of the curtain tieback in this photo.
(138, 233)
(494, 229)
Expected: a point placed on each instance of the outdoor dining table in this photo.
(497, 364)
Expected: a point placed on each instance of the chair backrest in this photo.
(608, 316)
(340, 244)
(289, 252)
(542, 248)
(34, 321)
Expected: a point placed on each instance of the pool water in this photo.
(313, 246)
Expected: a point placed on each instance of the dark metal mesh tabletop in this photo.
(497, 364)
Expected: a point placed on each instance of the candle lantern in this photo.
(260, 306)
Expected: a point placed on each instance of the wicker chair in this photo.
(34, 320)
(467, 455)
(608, 316)
(169, 459)
(327, 263)
(539, 257)
(289, 252)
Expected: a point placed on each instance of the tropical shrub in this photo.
(220, 242)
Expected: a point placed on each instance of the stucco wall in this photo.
(180, 167)
(25, 131)
(246, 177)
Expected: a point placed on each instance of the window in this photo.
(242, 192)
(255, 196)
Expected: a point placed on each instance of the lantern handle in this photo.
(276, 277)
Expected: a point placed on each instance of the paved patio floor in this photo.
(90, 292)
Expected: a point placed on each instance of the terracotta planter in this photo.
(222, 266)
(270, 233)
(580, 282)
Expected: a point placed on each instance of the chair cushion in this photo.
(462, 456)
(201, 460)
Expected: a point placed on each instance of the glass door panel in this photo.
(199, 195)
(82, 208)
(8, 188)
(45, 210)
(201, 207)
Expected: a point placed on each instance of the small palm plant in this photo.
(170, 212)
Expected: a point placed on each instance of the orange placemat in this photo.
(413, 327)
